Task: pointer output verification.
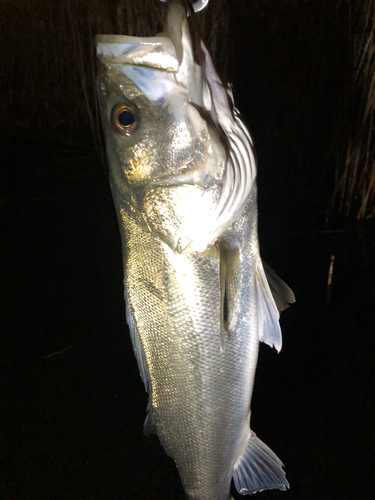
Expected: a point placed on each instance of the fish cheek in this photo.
(137, 155)
(136, 163)
(175, 138)
(183, 137)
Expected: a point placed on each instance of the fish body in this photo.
(182, 174)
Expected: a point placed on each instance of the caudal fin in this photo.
(258, 469)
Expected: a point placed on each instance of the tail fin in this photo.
(258, 469)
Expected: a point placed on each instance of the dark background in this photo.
(72, 403)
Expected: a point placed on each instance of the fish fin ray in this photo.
(149, 426)
(270, 331)
(281, 293)
(258, 469)
(137, 347)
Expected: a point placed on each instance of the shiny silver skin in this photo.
(197, 299)
(199, 393)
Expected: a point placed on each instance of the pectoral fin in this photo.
(223, 294)
(229, 277)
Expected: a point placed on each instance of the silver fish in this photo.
(182, 174)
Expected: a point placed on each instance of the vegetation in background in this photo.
(355, 185)
(48, 65)
(300, 63)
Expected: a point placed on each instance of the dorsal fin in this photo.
(272, 298)
(281, 293)
(269, 331)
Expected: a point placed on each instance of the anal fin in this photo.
(258, 469)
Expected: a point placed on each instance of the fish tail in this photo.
(258, 469)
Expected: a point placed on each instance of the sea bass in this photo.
(182, 175)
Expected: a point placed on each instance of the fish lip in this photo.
(126, 50)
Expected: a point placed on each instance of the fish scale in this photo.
(197, 297)
(196, 394)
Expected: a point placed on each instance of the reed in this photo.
(48, 78)
(355, 176)
(48, 65)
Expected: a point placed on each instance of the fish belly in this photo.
(199, 377)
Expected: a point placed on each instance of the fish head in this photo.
(165, 145)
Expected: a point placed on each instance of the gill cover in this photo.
(192, 206)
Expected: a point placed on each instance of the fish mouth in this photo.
(166, 63)
(149, 52)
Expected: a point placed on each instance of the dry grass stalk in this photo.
(356, 181)
(49, 68)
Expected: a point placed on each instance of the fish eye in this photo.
(124, 120)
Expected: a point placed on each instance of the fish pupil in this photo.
(126, 118)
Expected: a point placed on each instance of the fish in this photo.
(182, 171)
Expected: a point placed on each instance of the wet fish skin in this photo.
(197, 298)
(174, 157)
(199, 402)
